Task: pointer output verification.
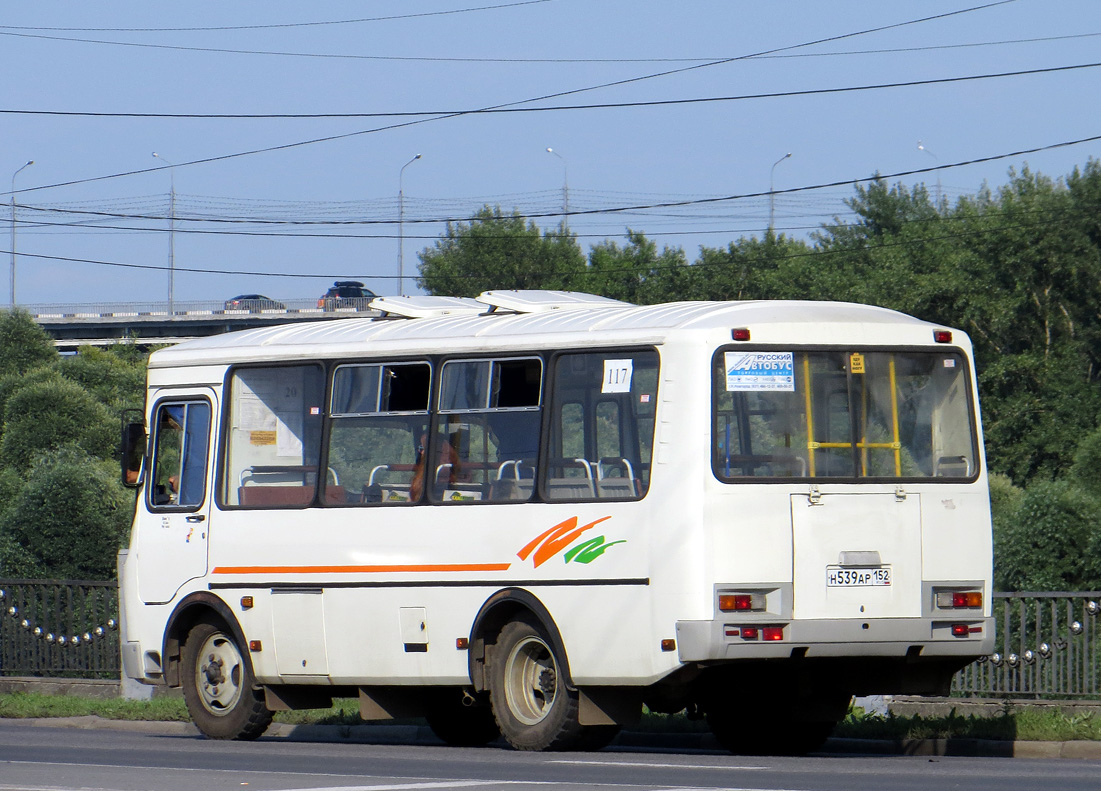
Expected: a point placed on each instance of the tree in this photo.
(636, 272)
(23, 344)
(775, 267)
(499, 251)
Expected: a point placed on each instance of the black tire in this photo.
(459, 724)
(743, 734)
(218, 685)
(533, 706)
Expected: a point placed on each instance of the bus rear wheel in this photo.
(218, 685)
(532, 704)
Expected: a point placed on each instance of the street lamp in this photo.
(771, 195)
(921, 147)
(13, 175)
(565, 184)
(171, 233)
(401, 226)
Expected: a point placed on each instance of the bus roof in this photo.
(571, 323)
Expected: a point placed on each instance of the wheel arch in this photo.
(184, 616)
(499, 609)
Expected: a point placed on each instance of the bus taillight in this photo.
(959, 600)
(741, 602)
(773, 633)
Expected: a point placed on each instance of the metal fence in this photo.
(1047, 644)
(61, 629)
(1046, 647)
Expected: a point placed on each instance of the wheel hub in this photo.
(219, 675)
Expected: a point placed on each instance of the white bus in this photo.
(533, 513)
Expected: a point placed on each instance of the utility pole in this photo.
(401, 226)
(171, 233)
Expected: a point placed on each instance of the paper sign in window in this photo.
(617, 376)
(759, 371)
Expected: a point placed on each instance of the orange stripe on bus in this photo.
(360, 569)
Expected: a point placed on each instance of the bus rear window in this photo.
(842, 414)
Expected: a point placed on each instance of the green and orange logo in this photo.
(548, 544)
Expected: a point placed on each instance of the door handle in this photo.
(196, 518)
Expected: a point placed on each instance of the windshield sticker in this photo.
(759, 371)
(617, 376)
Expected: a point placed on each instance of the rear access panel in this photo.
(856, 555)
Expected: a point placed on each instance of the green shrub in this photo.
(68, 520)
(23, 344)
(1086, 469)
(117, 379)
(48, 413)
(1046, 544)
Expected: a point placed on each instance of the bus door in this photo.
(173, 520)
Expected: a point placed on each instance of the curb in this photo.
(422, 735)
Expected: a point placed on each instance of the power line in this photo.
(272, 26)
(346, 135)
(636, 207)
(559, 108)
(811, 252)
(496, 60)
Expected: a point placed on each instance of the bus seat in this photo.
(274, 496)
(511, 489)
(570, 488)
(616, 487)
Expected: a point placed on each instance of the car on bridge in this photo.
(346, 294)
(253, 302)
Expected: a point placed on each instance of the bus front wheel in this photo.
(532, 704)
(218, 686)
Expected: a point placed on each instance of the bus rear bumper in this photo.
(709, 641)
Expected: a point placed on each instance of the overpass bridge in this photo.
(150, 324)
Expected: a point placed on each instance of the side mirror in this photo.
(132, 453)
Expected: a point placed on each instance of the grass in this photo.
(1013, 722)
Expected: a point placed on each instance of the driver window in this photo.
(180, 443)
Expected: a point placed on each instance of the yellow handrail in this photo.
(894, 421)
(811, 444)
(863, 444)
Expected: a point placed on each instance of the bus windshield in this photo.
(842, 414)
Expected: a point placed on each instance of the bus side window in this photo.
(602, 426)
(486, 442)
(181, 442)
(377, 433)
(273, 437)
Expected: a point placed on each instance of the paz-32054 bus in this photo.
(531, 514)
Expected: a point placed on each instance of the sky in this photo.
(642, 104)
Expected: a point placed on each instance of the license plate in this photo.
(837, 577)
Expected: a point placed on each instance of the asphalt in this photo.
(414, 734)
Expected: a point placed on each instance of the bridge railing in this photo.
(190, 308)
